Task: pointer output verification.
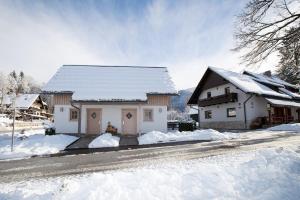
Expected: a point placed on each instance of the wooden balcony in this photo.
(224, 98)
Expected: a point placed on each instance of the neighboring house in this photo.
(29, 106)
(230, 100)
(193, 113)
(132, 99)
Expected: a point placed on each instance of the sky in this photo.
(38, 37)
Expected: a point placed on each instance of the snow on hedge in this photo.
(105, 140)
(286, 127)
(33, 142)
(266, 174)
(205, 134)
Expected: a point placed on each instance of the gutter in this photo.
(79, 115)
(245, 113)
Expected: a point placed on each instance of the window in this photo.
(148, 115)
(227, 90)
(231, 112)
(207, 114)
(73, 114)
(208, 94)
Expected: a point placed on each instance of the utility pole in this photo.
(14, 118)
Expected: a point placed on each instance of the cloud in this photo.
(185, 36)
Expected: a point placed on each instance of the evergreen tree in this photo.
(289, 53)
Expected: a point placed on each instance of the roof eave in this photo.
(56, 92)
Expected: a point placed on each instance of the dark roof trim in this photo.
(109, 102)
(56, 92)
(162, 94)
(115, 66)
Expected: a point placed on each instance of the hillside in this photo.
(179, 102)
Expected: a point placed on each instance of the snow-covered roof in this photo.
(246, 83)
(293, 94)
(193, 110)
(283, 102)
(272, 80)
(110, 83)
(23, 101)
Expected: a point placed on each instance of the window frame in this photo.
(145, 117)
(208, 96)
(71, 114)
(228, 110)
(227, 90)
(208, 116)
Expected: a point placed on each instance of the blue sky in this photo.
(185, 36)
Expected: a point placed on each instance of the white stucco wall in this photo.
(160, 120)
(113, 114)
(294, 113)
(62, 121)
(255, 107)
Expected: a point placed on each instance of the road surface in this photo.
(39, 167)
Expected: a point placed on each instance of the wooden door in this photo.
(129, 121)
(93, 120)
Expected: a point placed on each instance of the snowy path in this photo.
(18, 170)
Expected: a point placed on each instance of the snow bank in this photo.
(286, 127)
(268, 174)
(32, 143)
(48, 124)
(206, 134)
(4, 121)
(105, 140)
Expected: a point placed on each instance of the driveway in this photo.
(37, 167)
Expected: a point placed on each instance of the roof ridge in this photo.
(121, 66)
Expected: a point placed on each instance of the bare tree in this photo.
(3, 89)
(17, 83)
(262, 27)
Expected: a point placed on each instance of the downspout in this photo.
(79, 116)
(245, 114)
(199, 118)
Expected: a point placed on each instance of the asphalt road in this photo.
(40, 167)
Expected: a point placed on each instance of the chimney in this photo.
(268, 73)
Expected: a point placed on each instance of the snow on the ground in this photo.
(286, 127)
(105, 140)
(265, 174)
(4, 120)
(33, 142)
(204, 134)
(47, 124)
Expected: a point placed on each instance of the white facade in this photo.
(112, 114)
(244, 100)
(255, 107)
(62, 121)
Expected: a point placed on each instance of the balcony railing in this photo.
(225, 98)
(281, 119)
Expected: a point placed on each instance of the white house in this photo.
(132, 99)
(230, 100)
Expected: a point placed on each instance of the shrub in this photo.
(50, 131)
(187, 126)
